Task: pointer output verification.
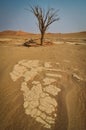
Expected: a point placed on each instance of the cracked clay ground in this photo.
(43, 88)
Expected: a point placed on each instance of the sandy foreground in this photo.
(42, 88)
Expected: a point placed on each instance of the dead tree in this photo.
(45, 19)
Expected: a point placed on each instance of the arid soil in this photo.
(43, 87)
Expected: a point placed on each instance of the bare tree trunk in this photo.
(42, 39)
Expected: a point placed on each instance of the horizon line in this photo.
(18, 30)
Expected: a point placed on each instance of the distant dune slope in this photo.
(65, 35)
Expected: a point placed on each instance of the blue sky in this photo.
(72, 13)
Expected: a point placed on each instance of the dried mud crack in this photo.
(44, 87)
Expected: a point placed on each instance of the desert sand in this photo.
(43, 87)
